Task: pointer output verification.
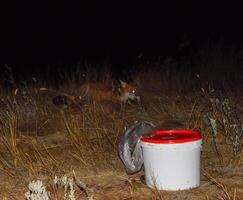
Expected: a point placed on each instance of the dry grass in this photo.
(41, 141)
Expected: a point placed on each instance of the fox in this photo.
(125, 93)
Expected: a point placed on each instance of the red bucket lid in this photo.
(173, 136)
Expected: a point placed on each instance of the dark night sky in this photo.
(55, 33)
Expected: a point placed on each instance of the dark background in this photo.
(63, 34)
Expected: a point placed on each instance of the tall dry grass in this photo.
(41, 140)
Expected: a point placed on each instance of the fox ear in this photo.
(123, 84)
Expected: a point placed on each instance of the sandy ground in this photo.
(100, 168)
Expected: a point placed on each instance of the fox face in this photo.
(125, 93)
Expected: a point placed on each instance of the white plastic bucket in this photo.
(172, 159)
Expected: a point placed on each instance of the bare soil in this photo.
(83, 139)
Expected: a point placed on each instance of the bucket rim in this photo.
(172, 136)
